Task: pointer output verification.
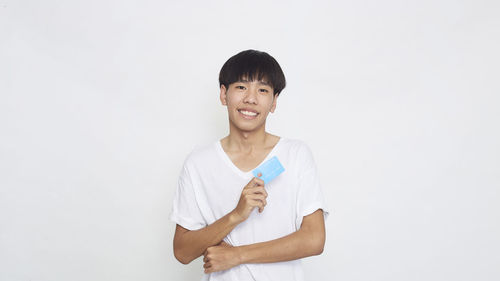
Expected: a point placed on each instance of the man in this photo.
(245, 229)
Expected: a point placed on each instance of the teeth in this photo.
(248, 113)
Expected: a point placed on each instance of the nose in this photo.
(251, 96)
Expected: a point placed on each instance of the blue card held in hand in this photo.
(269, 169)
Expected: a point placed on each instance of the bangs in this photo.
(252, 76)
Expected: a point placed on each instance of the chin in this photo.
(246, 127)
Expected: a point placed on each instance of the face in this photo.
(248, 103)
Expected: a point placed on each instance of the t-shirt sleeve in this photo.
(310, 192)
(185, 209)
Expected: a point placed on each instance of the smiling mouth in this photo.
(248, 114)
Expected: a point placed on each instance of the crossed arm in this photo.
(307, 241)
(190, 244)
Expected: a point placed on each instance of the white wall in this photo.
(101, 101)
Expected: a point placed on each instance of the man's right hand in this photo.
(253, 195)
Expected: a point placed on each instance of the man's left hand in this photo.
(220, 257)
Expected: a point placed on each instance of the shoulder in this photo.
(298, 153)
(296, 146)
(200, 155)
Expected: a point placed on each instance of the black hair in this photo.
(253, 65)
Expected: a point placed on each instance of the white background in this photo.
(102, 100)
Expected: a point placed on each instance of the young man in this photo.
(244, 229)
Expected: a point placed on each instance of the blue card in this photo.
(269, 169)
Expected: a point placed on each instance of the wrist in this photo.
(234, 218)
(239, 255)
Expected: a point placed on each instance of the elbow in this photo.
(182, 258)
(318, 244)
(318, 247)
(183, 251)
(315, 244)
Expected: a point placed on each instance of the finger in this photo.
(205, 259)
(255, 182)
(261, 200)
(257, 189)
(261, 207)
(259, 204)
(254, 200)
(209, 269)
(207, 265)
(264, 203)
(264, 191)
(258, 181)
(257, 196)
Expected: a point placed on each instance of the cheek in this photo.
(269, 103)
(232, 104)
(234, 101)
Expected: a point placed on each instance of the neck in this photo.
(246, 141)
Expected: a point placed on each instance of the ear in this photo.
(273, 107)
(223, 95)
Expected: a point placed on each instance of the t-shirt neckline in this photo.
(237, 170)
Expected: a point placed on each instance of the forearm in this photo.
(300, 244)
(189, 245)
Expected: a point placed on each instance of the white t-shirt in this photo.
(210, 186)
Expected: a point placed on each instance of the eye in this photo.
(240, 87)
(264, 90)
